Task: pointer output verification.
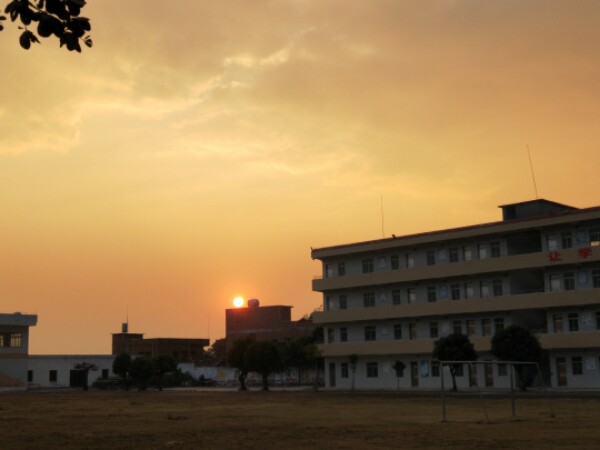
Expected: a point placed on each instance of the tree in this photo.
(236, 358)
(162, 365)
(60, 18)
(85, 368)
(121, 367)
(353, 361)
(141, 371)
(516, 343)
(399, 367)
(455, 347)
(264, 357)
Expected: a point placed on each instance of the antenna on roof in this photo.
(382, 232)
(532, 173)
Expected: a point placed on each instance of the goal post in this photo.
(512, 365)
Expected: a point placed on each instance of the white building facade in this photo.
(14, 349)
(389, 300)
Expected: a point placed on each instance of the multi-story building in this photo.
(262, 322)
(181, 349)
(14, 349)
(388, 300)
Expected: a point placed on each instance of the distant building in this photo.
(389, 299)
(182, 349)
(14, 349)
(262, 322)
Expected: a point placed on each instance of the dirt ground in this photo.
(290, 420)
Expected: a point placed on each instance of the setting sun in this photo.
(238, 301)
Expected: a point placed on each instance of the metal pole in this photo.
(512, 391)
(479, 390)
(443, 393)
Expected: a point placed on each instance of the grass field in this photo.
(289, 420)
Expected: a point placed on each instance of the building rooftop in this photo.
(543, 209)
(18, 319)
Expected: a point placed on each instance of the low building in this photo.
(181, 349)
(14, 349)
(389, 299)
(60, 371)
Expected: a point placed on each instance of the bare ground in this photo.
(290, 420)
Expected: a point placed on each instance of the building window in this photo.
(412, 330)
(552, 240)
(594, 237)
(435, 368)
(573, 322)
(341, 269)
(557, 319)
(344, 370)
(431, 294)
(577, 365)
(470, 327)
(370, 333)
(568, 281)
(453, 254)
(455, 291)
(15, 340)
(328, 271)
(104, 373)
(566, 239)
(412, 295)
(398, 331)
(396, 296)
(343, 302)
(368, 299)
(410, 261)
(484, 286)
(382, 263)
(330, 335)
(497, 288)
(343, 334)
(372, 370)
(395, 262)
(430, 257)
(554, 283)
(596, 278)
(502, 370)
(483, 251)
(52, 376)
(486, 327)
(30, 376)
(367, 265)
(469, 291)
(457, 326)
(467, 253)
(327, 303)
(433, 330)
(495, 249)
(498, 324)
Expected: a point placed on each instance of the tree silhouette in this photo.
(264, 357)
(163, 364)
(236, 358)
(516, 343)
(353, 360)
(141, 371)
(121, 366)
(455, 347)
(59, 18)
(399, 367)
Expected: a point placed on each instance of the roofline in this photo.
(458, 229)
(537, 200)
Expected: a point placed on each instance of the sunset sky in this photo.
(200, 149)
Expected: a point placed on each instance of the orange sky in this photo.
(200, 149)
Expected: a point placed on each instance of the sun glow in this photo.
(238, 301)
